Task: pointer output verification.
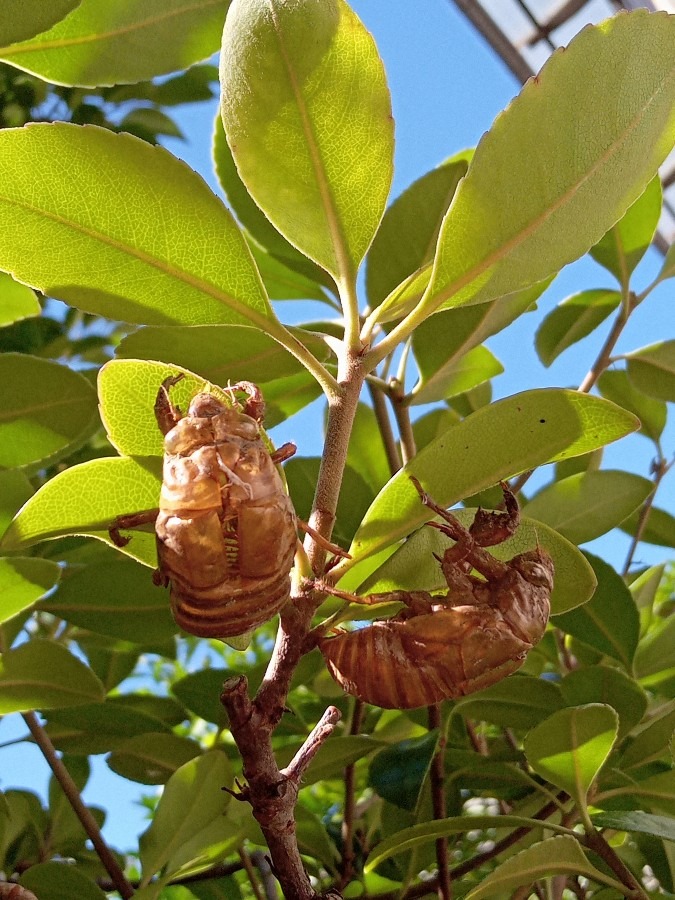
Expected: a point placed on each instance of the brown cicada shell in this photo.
(226, 527)
(445, 646)
(9, 891)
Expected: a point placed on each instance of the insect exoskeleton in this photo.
(445, 646)
(226, 527)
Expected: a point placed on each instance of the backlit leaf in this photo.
(307, 114)
(110, 43)
(16, 301)
(615, 385)
(604, 684)
(23, 581)
(572, 320)
(652, 370)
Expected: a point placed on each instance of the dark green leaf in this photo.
(659, 527)
(609, 621)
(399, 772)
(652, 370)
(589, 504)
(46, 411)
(603, 684)
(572, 320)
(615, 385)
(153, 757)
(99, 727)
(651, 742)
(637, 821)
(60, 881)
(43, 675)
(516, 702)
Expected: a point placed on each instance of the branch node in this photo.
(321, 731)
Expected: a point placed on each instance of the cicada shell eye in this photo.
(536, 567)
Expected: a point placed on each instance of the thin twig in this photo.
(437, 782)
(347, 861)
(384, 425)
(262, 864)
(222, 870)
(659, 470)
(88, 822)
(596, 842)
(253, 881)
(402, 413)
(322, 730)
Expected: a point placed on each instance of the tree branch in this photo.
(437, 779)
(88, 822)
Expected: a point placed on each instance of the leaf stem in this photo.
(384, 425)
(283, 336)
(347, 862)
(69, 788)
(605, 355)
(596, 842)
(659, 469)
(437, 782)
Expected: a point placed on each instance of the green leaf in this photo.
(282, 282)
(22, 20)
(511, 223)
(43, 675)
(15, 490)
(571, 746)
(398, 772)
(115, 598)
(192, 800)
(442, 344)
(668, 268)
(200, 693)
(99, 727)
(152, 758)
(86, 499)
(23, 581)
(418, 835)
(111, 43)
(656, 651)
(307, 113)
(333, 756)
(60, 881)
(406, 238)
(16, 301)
(463, 374)
(603, 684)
(513, 703)
(609, 622)
(589, 504)
(47, 412)
(652, 370)
(414, 567)
(556, 856)
(222, 354)
(572, 320)
(542, 426)
(659, 527)
(314, 839)
(637, 821)
(615, 385)
(156, 247)
(255, 221)
(651, 742)
(146, 123)
(624, 245)
(366, 454)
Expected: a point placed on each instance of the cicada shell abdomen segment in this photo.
(416, 660)
(226, 527)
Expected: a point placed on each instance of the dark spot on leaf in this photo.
(543, 421)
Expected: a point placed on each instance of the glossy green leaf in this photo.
(307, 114)
(656, 651)
(658, 529)
(589, 504)
(651, 742)
(43, 675)
(21, 20)
(513, 703)
(414, 567)
(23, 581)
(398, 772)
(511, 223)
(86, 499)
(111, 43)
(406, 238)
(572, 320)
(60, 881)
(46, 411)
(157, 247)
(604, 684)
(417, 835)
(115, 598)
(615, 385)
(255, 221)
(432, 425)
(556, 856)
(571, 746)
(624, 245)
(637, 821)
(463, 374)
(542, 426)
(99, 727)
(152, 758)
(15, 490)
(282, 282)
(223, 354)
(192, 800)
(609, 622)
(443, 343)
(652, 370)
(16, 301)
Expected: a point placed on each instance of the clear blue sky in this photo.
(447, 86)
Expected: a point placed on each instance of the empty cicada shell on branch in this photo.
(444, 646)
(226, 527)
